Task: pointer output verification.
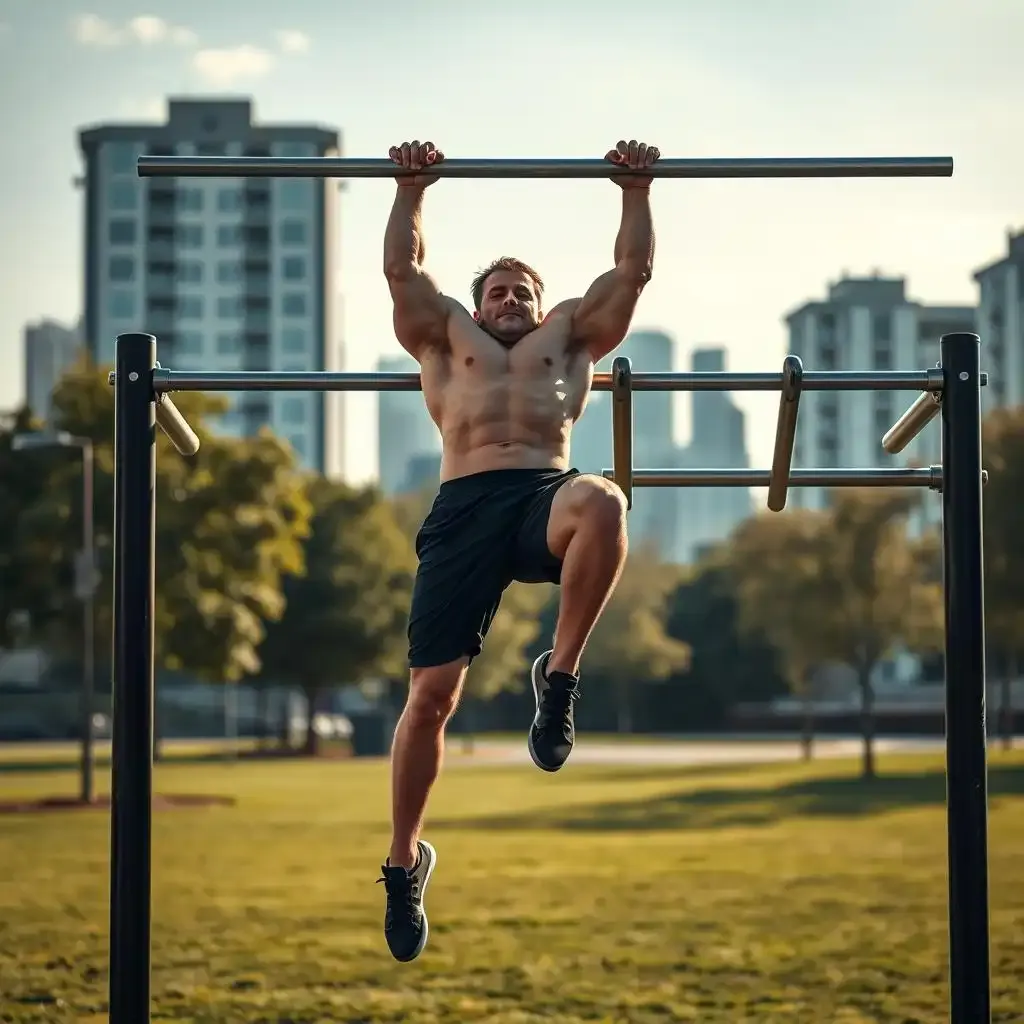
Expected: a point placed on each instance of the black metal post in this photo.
(966, 784)
(88, 591)
(134, 557)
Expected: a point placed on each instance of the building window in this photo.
(189, 272)
(883, 355)
(294, 304)
(229, 271)
(190, 200)
(293, 410)
(293, 339)
(190, 307)
(293, 232)
(229, 200)
(190, 236)
(190, 343)
(229, 234)
(293, 268)
(298, 443)
(121, 268)
(229, 306)
(881, 327)
(122, 232)
(229, 343)
(123, 195)
(121, 304)
(295, 195)
(293, 149)
(123, 156)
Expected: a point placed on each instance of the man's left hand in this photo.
(636, 156)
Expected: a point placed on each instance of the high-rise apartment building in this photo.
(864, 324)
(50, 349)
(1001, 325)
(227, 273)
(408, 442)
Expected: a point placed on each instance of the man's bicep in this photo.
(603, 316)
(420, 310)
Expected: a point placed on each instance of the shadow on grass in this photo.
(730, 807)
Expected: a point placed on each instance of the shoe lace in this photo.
(403, 896)
(555, 705)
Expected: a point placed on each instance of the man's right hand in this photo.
(414, 156)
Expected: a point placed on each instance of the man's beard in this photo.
(507, 339)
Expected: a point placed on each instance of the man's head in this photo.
(507, 297)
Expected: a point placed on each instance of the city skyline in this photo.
(732, 256)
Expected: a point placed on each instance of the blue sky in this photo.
(562, 77)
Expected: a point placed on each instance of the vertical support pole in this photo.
(622, 426)
(966, 783)
(134, 557)
(88, 591)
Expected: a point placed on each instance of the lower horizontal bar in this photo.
(897, 477)
(319, 380)
(723, 167)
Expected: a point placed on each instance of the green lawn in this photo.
(634, 895)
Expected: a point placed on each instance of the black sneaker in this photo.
(553, 731)
(405, 920)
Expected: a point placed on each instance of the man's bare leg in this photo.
(587, 530)
(417, 752)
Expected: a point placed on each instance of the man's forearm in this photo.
(634, 245)
(403, 239)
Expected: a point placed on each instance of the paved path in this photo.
(690, 752)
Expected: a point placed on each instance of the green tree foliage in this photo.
(229, 527)
(727, 666)
(345, 619)
(630, 645)
(1003, 450)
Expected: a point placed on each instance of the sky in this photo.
(555, 78)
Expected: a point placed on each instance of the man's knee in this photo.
(434, 693)
(591, 503)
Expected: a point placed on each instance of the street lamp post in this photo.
(85, 588)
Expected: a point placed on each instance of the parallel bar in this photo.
(175, 426)
(785, 433)
(134, 599)
(924, 409)
(930, 476)
(317, 380)
(966, 777)
(727, 167)
(622, 427)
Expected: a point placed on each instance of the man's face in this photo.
(510, 307)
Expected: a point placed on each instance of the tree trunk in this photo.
(1006, 701)
(312, 744)
(807, 728)
(624, 715)
(867, 718)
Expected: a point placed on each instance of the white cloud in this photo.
(147, 29)
(223, 67)
(292, 41)
(92, 30)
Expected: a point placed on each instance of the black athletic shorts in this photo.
(483, 532)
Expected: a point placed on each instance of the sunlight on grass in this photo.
(638, 895)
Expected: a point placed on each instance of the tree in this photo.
(1003, 449)
(629, 644)
(728, 666)
(775, 563)
(229, 527)
(345, 619)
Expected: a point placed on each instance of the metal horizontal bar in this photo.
(319, 380)
(897, 477)
(725, 167)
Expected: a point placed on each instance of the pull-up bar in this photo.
(141, 401)
(724, 167)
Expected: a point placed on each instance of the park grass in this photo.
(640, 895)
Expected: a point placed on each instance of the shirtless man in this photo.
(504, 386)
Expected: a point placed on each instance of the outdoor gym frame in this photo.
(142, 403)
